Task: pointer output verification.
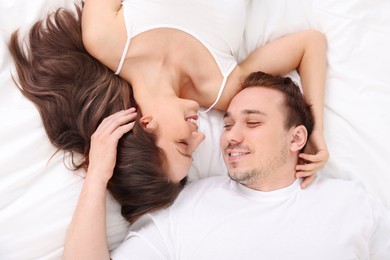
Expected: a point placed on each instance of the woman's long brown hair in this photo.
(74, 92)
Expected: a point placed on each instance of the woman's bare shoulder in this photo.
(104, 31)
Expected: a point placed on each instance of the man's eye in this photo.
(227, 126)
(253, 124)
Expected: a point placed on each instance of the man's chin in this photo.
(244, 176)
(237, 175)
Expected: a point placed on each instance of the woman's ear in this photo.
(299, 138)
(148, 123)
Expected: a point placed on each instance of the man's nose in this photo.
(234, 135)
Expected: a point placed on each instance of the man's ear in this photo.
(148, 123)
(299, 138)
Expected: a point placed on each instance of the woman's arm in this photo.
(306, 52)
(86, 236)
(104, 31)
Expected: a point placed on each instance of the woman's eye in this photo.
(182, 144)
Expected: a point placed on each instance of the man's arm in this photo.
(304, 51)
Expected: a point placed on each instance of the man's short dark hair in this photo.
(298, 110)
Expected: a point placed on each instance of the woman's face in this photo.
(175, 122)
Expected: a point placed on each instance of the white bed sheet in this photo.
(37, 197)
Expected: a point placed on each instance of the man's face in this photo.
(255, 142)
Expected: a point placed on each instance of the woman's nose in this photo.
(196, 139)
(192, 105)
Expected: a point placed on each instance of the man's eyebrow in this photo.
(247, 112)
(252, 111)
(227, 114)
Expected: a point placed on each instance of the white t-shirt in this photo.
(207, 160)
(216, 218)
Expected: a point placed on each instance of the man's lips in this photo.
(235, 154)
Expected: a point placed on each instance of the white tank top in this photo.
(217, 24)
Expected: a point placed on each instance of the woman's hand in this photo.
(313, 159)
(102, 156)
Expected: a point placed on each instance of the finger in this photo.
(110, 124)
(305, 174)
(120, 131)
(309, 157)
(112, 118)
(108, 120)
(309, 167)
(321, 156)
(307, 181)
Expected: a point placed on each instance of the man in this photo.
(260, 212)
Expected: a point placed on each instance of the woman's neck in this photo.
(190, 72)
(155, 77)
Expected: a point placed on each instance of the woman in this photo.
(174, 61)
(167, 53)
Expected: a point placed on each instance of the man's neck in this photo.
(274, 182)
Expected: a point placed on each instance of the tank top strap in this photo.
(222, 87)
(123, 55)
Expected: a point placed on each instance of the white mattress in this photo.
(38, 196)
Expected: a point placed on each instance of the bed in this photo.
(38, 193)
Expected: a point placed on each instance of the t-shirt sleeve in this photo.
(146, 240)
(380, 240)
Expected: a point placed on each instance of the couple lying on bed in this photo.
(171, 62)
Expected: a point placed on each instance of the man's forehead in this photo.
(256, 98)
(258, 90)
